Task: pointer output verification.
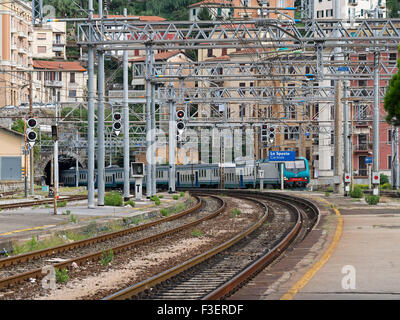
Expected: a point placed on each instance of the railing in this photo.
(362, 147)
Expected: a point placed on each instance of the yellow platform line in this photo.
(27, 229)
(318, 265)
(82, 219)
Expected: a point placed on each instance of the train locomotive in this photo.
(296, 174)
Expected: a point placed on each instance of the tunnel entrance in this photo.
(64, 163)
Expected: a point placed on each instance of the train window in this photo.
(299, 164)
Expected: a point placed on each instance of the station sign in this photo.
(281, 156)
(368, 160)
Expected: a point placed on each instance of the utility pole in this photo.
(31, 161)
(100, 123)
(26, 161)
(90, 181)
(376, 137)
(77, 161)
(346, 137)
(172, 141)
(149, 159)
(125, 118)
(55, 161)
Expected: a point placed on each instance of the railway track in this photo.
(10, 267)
(220, 271)
(40, 202)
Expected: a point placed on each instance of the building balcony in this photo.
(58, 47)
(22, 34)
(363, 148)
(353, 2)
(53, 83)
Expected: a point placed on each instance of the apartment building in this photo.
(50, 41)
(349, 9)
(239, 9)
(59, 82)
(15, 51)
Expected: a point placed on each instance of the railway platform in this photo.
(351, 254)
(39, 221)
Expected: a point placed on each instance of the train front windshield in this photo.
(295, 166)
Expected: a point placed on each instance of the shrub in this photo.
(384, 178)
(385, 186)
(113, 199)
(130, 202)
(372, 200)
(357, 192)
(61, 204)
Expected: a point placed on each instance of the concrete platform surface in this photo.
(21, 223)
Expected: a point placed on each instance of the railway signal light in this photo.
(32, 123)
(271, 134)
(264, 132)
(180, 124)
(31, 134)
(117, 123)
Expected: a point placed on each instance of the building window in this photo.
(390, 135)
(362, 57)
(41, 49)
(41, 36)
(194, 12)
(72, 77)
(209, 52)
(72, 93)
(389, 159)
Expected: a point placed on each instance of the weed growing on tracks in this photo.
(236, 212)
(164, 212)
(73, 219)
(106, 257)
(175, 197)
(61, 276)
(182, 194)
(197, 233)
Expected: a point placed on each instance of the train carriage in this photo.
(241, 175)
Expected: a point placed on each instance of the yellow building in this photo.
(12, 160)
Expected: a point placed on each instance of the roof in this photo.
(210, 2)
(58, 65)
(220, 58)
(141, 18)
(159, 56)
(11, 131)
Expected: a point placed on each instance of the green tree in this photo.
(19, 126)
(392, 98)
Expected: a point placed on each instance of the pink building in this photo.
(362, 116)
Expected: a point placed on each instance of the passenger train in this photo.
(296, 174)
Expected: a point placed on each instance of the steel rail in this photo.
(86, 242)
(260, 263)
(37, 273)
(168, 274)
(39, 202)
